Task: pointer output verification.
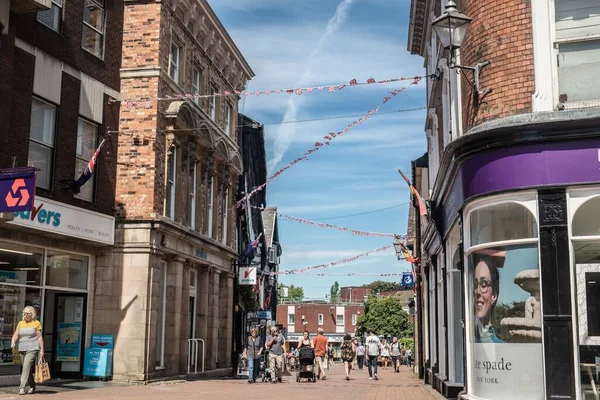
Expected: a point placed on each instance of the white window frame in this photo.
(171, 184)
(175, 61)
(92, 180)
(212, 104)
(228, 114)
(527, 199)
(337, 318)
(225, 221)
(291, 319)
(211, 196)
(55, 7)
(162, 318)
(320, 319)
(196, 84)
(99, 4)
(192, 196)
(47, 145)
(354, 316)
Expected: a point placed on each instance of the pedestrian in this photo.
(330, 355)
(252, 352)
(373, 349)
(395, 354)
(409, 356)
(347, 351)
(275, 344)
(320, 346)
(360, 355)
(385, 353)
(305, 341)
(29, 341)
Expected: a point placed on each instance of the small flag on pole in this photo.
(251, 247)
(88, 171)
(422, 206)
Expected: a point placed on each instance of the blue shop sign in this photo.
(98, 362)
(100, 341)
(263, 314)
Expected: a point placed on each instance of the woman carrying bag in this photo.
(30, 343)
(348, 350)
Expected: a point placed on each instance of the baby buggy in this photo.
(306, 367)
(264, 367)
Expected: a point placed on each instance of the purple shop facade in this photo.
(517, 168)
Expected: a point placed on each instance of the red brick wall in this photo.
(311, 313)
(354, 293)
(501, 32)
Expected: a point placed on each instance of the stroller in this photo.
(264, 367)
(306, 368)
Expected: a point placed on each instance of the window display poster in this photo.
(506, 328)
(69, 342)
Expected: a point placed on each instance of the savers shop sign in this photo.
(54, 217)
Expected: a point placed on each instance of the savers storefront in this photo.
(47, 259)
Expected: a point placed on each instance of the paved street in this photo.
(402, 386)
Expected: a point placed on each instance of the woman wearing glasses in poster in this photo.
(486, 288)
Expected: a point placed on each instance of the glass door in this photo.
(68, 334)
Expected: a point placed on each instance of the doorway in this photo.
(65, 333)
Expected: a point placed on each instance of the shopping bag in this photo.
(16, 356)
(42, 371)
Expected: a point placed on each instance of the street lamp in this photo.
(398, 248)
(451, 28)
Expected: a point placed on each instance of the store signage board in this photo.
(17, 189)
(55, 217)
(263, 314)
(247, 276)
(100, 341)
(69, 342)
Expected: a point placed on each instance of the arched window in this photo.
(586, 221)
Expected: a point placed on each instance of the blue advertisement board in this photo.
(69, 341)
(100, 341)
(98, 362)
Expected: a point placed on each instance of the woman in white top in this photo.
(385, 353)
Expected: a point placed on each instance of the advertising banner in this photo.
(505, 335)
(247, 276)
(69, 342)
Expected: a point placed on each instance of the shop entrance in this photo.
(65, 333)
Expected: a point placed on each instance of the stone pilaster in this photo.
(229, 329)
(203, 304)
(174, 316)
(213, 321)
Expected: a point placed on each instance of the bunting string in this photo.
(350, 274)
(328, 138)
(330, 226)
(299, 271)
(146, 103)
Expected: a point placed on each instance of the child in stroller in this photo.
(306, 369)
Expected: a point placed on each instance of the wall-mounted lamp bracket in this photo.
(475, 82)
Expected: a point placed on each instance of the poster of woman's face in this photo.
(505, 295)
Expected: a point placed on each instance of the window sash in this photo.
(171, 177)
(228, 120)
(196, 85)
(291, 318)
(211, 194)
(339, 319)
(225, 216)
(192, 208)
(174, 62)
(320, 319)
(213, 103)
(55, 12)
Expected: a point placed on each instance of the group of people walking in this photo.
(352, 352)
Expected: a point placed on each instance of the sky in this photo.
(307, 43)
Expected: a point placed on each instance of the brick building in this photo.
(335, 319)
(170, 275)
(508, 277)
(349, 294)
(59, 68)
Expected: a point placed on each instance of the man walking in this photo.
(360, 355)
(275, 343)
(373, 348)
(320, 346)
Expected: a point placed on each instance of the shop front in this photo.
(47, 258)
(521, 240)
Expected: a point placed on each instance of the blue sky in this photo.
(317, 42)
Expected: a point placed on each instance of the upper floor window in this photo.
(225, 208)
(192, 199)
(577, 25)
(291, 318)
(41, 140)
(353, 319)
(87, 134)
(339, 319)
(320, 319)
(94, 23)
(212, 106)
(171, 183)
(196, 77)
(228, 113)
(52, 18)
(174, 62)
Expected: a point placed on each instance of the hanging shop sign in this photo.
(17, 189)
(262, 314)
(69, 342)
(60, 218)
(247, 276)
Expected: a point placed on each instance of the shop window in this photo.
(94, 22)
(503, 299)
(52, 18)
(21, 264)
(457, 332)
(586, 221)
(41, 141)
(161, 299)
(87, 135)
(501, 222)
(66, 270)
(441, 327)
